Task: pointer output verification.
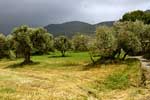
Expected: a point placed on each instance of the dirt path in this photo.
(145, 65)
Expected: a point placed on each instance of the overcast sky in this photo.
(43, 12)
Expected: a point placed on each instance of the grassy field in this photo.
(52, 77)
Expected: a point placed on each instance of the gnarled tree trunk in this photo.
(27, 59)
(63, 53)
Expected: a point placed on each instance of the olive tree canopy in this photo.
(62, 44)
(106, 41)
(27, 38)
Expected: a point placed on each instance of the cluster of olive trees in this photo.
(78, 43)
(131, 37)
(23, 41)
(139, 32)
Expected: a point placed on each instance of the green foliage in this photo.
(136, 27)
(106, 41)
(42, 41)
(22, 38)
(62, 44)
(10, 42)
(6, 46)
(2, 45)
(26, 39)
(137, 15)
(133, 16)
(80, 42)
(146, 39)
(129, 42)
(129, 35)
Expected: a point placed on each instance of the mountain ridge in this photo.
(72, 27)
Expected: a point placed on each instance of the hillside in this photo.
(69, 28)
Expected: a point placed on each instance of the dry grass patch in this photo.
(54, 79)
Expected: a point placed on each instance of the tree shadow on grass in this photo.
(58, 56)
(21, 65)
(98, 63)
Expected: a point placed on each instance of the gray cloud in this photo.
(43, 12)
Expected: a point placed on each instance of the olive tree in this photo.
(133, 16)
(80, 42)
(42, 41)
(27, 38)
(137, 15)
(137, 29)
(2, 45)
(146, 42)
(106, 42)
(129, 42)
(62, 44)
(10, 47)
(145, 39)
(22, 37)
(6, 46)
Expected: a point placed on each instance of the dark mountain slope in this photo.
(70, 28)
